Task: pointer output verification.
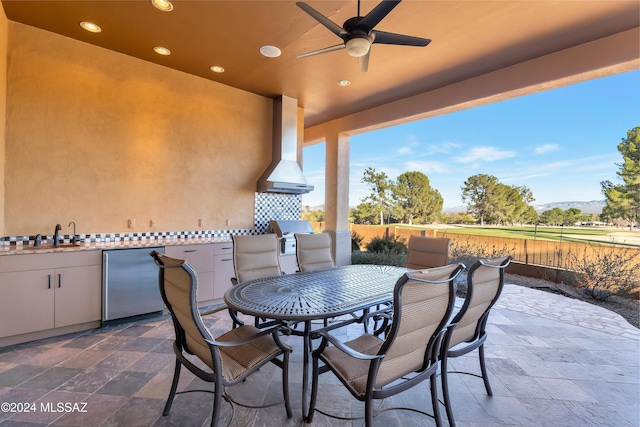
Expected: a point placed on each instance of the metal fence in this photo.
(549, 253)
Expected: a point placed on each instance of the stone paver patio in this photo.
(553, 361)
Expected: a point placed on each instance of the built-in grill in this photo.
(285, 230)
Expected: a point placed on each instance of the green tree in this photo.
(380, 186)
(488, 199)
(571, 216)
(530, 216)
(314, 216)
(415, 199)
(553, 216)
(623, 200)
(512, 203)
(481, 194)
(364, 213)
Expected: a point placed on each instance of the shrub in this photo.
(356, 241)
(603, 271)
(387, 244)
(381, 258)
(469, 251)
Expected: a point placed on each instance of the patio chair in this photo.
(254, 257)
(422, 252)
(485, 281)
(231, 357)
(313, 251)
(427, 252)
(372, 368)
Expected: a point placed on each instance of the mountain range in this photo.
(591, 207)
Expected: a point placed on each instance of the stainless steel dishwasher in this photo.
(129, 283)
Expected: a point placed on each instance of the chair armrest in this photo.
(214, 310)
(348, 350)
(246, 340)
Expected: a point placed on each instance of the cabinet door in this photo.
(78, 295)
(222, 274)
(200, 257)
(26, 301)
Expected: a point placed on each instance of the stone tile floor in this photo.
(553, 361)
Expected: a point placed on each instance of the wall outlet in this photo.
(131, 223)
(228, 223)
(200, 222)
(152, 223)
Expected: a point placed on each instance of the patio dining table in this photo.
(315, 295)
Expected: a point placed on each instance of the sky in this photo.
(560, 143)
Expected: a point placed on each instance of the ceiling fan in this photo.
(358, 33)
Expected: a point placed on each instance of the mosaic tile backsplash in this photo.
(268, 206)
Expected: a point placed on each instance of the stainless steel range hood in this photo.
(284, 174)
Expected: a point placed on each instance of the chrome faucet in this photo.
(74, 239)
(55, 235)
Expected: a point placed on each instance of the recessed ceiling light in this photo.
(162, 50)
(162, 5)
(217, 69)
(90, 26)
(270, 51)
(344, 83)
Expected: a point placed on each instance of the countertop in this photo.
(106, 245)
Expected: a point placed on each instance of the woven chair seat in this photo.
(354, 371)
(238, 360)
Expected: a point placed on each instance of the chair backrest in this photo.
(256, 256)
(314, 251)
(427, 252)
(485, 280)
(422, 304)
(178, 286)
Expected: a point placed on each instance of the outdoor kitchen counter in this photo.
(6, 249)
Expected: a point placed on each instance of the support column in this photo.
(336, 208)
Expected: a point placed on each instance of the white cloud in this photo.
(541, 149)
(442, 148)
(487, 154)
(405, 150)
(426, 167)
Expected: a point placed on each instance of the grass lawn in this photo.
(575, 234)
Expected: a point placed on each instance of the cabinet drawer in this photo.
(223, 248)
(200, 257)
(27, 262)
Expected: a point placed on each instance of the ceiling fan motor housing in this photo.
(357, 40)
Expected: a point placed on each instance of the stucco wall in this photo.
(3, 109)
(97, 137)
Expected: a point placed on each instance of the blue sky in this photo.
(559, 143)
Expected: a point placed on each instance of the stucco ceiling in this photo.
(469, 38)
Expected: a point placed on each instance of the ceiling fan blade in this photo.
(377, 14)
(332, 26)
(364, 62)
(382, 37)
(325, 50)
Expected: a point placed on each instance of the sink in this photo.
(50, 247)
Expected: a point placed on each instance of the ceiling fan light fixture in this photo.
(358, 46)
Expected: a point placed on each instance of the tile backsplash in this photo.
(268, 206)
